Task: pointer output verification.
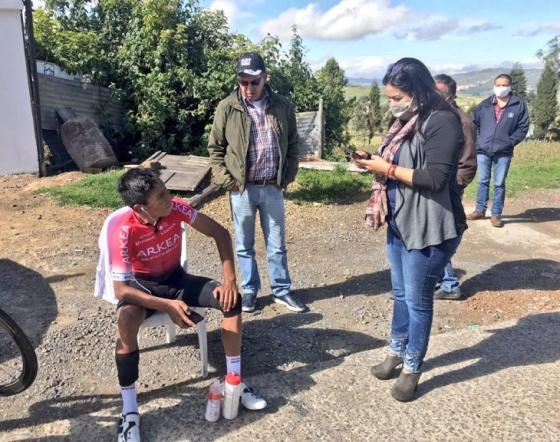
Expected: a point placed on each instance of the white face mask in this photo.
(502, 91)
(403, 111)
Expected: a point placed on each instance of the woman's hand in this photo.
(361, 155)
(376, 164)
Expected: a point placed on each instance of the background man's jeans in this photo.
(414, 274)
(269, 201)
(449, 281)
(485, 164)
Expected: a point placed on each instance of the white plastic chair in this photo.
(163, 319)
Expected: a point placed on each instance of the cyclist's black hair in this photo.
(136, 184)
(449, 82)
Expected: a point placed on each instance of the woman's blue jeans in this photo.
(269, 202)
(414, 274)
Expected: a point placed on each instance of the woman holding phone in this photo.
(416, 195)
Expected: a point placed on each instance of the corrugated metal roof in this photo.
(87, 100)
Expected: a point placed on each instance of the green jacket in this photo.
(228, 144)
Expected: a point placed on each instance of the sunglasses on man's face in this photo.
(246, 83)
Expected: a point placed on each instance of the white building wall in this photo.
(18, 148)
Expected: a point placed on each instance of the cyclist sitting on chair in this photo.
(142, 258)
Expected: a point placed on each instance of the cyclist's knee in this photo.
(130, 317)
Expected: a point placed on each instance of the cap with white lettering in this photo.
(250, 63)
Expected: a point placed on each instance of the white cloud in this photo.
(347, 20)
(354, 19)
(374, 67)
(532, 29)
(428, 29)
(371, 66)
(230, 9)
(234, 10)
(477, 27)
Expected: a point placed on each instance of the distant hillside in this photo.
(470, 83)
(480, 82)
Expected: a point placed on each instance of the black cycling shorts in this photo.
(195, 291)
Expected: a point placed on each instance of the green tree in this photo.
(519, 80)
(361, 118)
(337, 110)
(545, 107)
(303, 87)
(170, 62)
(375, 113)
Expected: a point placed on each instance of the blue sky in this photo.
(366, 35)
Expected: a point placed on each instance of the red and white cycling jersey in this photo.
(145, 251)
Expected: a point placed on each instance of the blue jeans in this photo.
(269, 202)
(449, 282)
(414, 274)
(484, 168)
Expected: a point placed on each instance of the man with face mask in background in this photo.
(466, 170)
(502, 122)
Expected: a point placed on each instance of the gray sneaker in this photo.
(248, 302)
(291, 302)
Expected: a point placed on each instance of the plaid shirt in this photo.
(498, 111)
(264, 153)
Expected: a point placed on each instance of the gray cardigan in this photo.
(425, 217)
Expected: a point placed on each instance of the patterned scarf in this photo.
(377, 210)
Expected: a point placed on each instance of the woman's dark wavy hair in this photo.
(413, 77)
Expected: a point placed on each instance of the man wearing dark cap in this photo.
(253, 150)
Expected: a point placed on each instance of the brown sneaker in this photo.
(473, 216)
(496, 221)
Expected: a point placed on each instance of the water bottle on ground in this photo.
(232, 393)
(214, 402)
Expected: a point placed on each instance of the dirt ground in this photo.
(48, 256)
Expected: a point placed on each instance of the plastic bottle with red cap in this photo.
(214, 402)
(232, 393)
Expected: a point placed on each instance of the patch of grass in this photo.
(98, 190)
(465, 101)
(355, 91)
(329, 187)
(535, 165)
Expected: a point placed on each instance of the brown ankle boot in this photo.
(496, 221)
(404, 388)
(386, 370)
(473, 216)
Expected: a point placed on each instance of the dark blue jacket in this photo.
(499, 139)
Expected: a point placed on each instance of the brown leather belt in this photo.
(262, 182)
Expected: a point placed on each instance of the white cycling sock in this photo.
(233, 364)
(130, 404)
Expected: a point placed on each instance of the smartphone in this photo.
(350, 153)
(195, 317)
